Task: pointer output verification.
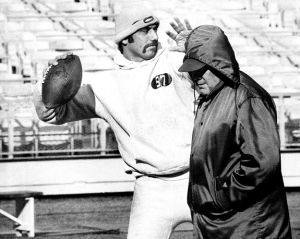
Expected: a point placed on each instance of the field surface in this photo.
(101, 217)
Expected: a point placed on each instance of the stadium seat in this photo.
(38, 25)
(289, 42)
(66, 45)
(99, 24)
(253, 70)
(71, 6)
(4, 68)
(230, 5)
(53, 135)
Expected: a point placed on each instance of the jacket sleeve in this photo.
(81, 106)
(258, 140)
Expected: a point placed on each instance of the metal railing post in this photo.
(281, 121)
(10, 138)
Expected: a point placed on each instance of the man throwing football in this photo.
(149, 105)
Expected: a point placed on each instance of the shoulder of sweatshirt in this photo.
(100, 77)
(172, 58)
(175, 58)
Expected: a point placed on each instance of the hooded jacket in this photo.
(236, 188)
(149, 106)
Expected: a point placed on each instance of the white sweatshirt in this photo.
(149, 105)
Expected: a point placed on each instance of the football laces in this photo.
(45, 73)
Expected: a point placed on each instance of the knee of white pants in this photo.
(157, 207)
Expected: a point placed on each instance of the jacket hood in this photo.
(209, 45)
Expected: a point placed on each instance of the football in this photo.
(61, 81)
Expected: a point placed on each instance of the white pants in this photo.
(158, 206)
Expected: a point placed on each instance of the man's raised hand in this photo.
(182, 32)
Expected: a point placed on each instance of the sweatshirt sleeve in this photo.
(259, 144)
(81, 106)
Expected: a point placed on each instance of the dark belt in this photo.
(172, 175)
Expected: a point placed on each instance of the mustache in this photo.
(154, 43)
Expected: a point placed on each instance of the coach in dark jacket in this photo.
(236, 188)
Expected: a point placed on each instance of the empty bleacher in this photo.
(265, 36)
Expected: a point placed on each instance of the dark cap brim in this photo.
(191, 65)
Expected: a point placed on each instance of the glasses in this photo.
(198, 73)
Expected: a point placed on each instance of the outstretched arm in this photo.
(81, 106)
(59, 98)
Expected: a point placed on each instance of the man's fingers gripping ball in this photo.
(62, 80)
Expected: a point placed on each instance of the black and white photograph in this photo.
(150, 119)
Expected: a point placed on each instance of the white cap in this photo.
(131, 19)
